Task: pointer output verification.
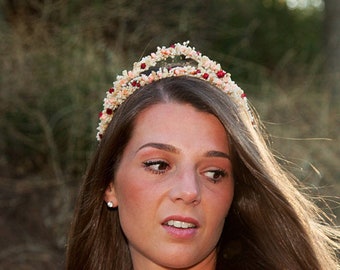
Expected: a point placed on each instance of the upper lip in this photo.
(181, 219)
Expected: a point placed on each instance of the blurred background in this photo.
(58, 57)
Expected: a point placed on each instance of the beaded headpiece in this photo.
(150, 69)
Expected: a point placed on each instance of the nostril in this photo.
(189, 197)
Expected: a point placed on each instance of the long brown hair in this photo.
(271, 225)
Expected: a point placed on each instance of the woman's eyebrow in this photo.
(217, 154)
(161, 146)
(172, 149)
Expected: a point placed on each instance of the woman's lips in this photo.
(180, 221)
(181, 227)
(180, 224)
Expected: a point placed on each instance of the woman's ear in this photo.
(110, 196)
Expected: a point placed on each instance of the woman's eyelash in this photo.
(156, 166)
(216, 175)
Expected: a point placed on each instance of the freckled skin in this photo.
(170, 168)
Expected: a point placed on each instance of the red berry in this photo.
(205, 76)
(109, 111)
(143, 65)
(220, 74)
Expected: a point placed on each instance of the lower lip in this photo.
(180, 233)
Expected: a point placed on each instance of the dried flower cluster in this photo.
(204, 69)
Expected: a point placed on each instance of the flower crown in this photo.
(145, 72)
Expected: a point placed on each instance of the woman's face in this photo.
(174, 187)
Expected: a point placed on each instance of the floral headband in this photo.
(145, 72)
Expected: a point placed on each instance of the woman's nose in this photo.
(186, 188)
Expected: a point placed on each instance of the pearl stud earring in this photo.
(109, 204)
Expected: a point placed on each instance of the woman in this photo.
(183, 179)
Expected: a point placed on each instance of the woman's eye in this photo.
(157, 166)
(215, 175)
